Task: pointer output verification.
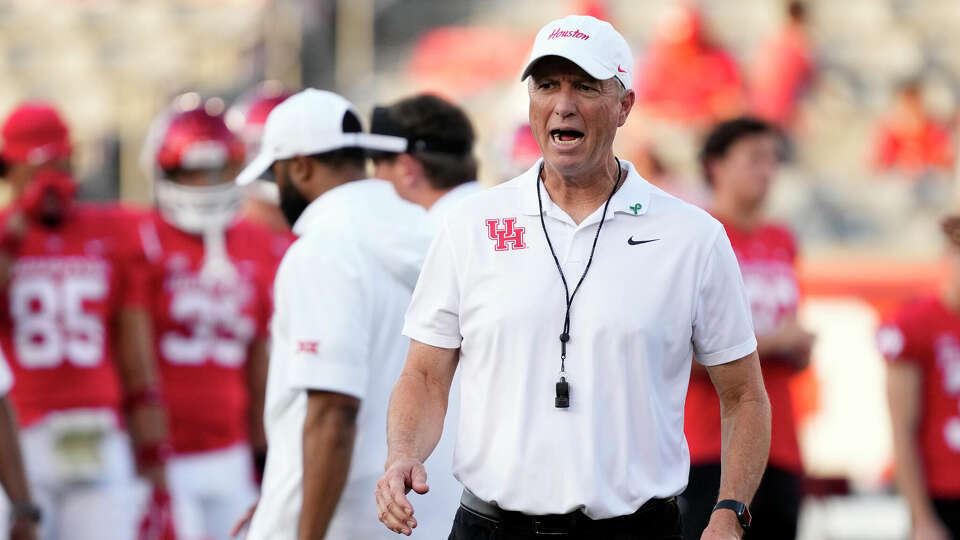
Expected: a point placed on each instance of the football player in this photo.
(921, 343)
(211, 276)
(76, 332)
(246, 118)
(739, 159)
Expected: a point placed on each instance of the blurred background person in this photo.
(210, 277)
(686, 77)
(74, 320)
(921, 342)
(23, 513)
(909, 140)
(739, 160)
(437, 171)
(246, 118)
(438, 168)
(783, 69)
(336, 349)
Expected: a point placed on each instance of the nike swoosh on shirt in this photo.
(633, 242)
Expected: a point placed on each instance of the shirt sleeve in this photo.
(434, 313)
(326, 314)
(6, 377)
(900, 339)
(722, 324)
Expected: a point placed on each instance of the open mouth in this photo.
(566, 137)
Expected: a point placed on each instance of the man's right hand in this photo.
(395, 511)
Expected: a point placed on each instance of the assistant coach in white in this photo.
(337, 348)
(573, 299)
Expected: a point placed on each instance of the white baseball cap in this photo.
(588, 42)
(313, 122)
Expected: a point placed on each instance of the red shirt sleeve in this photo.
(901, 338)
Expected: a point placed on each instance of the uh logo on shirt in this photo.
(505, 234)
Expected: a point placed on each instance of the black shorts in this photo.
(948, 510)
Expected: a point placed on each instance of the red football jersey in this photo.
(766, 255)
(66, 287)
(926, 333)
(203, 330)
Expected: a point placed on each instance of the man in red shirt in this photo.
(922, 345)
(783, 69)
(739, 160)
(211, 277)
(909, 140)
(685, 78)
(72, 327)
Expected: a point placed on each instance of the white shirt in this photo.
(642, 312)
(439, 209)
(6, 377)
(340, 294)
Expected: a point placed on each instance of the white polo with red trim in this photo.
(664, 285)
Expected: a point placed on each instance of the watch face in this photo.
(745, 517)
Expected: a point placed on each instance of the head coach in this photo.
(573, 298)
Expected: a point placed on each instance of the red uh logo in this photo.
(508, 237)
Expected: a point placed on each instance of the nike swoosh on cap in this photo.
(620, 69)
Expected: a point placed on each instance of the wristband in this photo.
(153, 454)
(27, 510)
(145, 396)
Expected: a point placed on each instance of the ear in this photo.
(626, 105)
(300, 170)
(411, 170)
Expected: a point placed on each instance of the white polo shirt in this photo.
(6, 377)
(490, 287)
(340, 294)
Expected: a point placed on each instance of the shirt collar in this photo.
(633, 197)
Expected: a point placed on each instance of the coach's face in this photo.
(575, 117)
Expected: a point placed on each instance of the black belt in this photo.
(558, 524)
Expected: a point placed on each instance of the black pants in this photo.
(661, 523)
(948, 510)
(775, 508)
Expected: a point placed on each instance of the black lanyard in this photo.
(562, 400)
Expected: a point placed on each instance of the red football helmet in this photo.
(196, 139)
(192, 158)
(246, 117)
(248, 114)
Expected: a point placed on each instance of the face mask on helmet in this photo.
(196, 209)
